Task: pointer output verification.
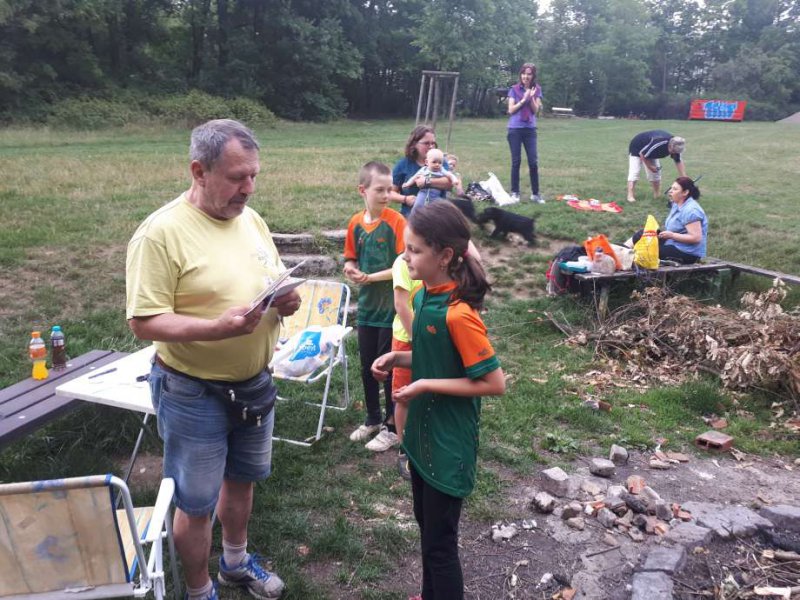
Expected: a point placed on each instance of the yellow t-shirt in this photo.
(182, 261)
(402, 279)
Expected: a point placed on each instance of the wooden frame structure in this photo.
(433, 80)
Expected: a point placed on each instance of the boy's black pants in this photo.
(372, 343)
(438, 515)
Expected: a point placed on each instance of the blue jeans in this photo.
(517, 138)
(201, 446)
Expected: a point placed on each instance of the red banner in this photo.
(717, 110)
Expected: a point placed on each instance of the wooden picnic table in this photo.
(602, 283)
(31, 404)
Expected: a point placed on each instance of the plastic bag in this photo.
(308, 350)
(495, 188)
(645, 251)
(625, 256)
(601, 241)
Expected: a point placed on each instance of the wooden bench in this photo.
(559, 111)
(31, 404)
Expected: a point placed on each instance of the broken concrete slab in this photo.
(727, 521)
(668, 559)
(783, 516)
(651, 585)
(689, 535)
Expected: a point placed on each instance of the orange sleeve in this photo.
(399, 227)
(350, 251)
(468, 334)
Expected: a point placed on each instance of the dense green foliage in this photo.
(319, 60)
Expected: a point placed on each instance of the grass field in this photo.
(70, 201)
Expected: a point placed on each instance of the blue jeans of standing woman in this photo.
(518, 137)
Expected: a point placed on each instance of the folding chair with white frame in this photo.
(64, 538)
(324, 303)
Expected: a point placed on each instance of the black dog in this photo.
(508, 222)
(466, 207)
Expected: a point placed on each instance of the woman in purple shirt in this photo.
(524, 101)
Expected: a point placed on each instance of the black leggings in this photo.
(438, 515)
(372, 343)
(668, 251)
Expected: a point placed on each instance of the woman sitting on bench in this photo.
(683, 237)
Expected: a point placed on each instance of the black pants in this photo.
(517, 138)
(438, 515)
(372, 343)
(668, 251)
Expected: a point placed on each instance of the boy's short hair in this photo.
(369, 170)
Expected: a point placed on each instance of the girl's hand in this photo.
(382, 366)
(408, 392)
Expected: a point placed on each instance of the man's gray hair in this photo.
(676, 145)
(210, 138)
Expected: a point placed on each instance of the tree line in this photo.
(322, 59)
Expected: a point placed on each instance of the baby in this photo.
(434, 167)
(452, 162)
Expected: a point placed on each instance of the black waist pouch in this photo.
(248, 402)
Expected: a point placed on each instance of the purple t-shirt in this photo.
(518, 119)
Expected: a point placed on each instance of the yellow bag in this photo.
(645, 251)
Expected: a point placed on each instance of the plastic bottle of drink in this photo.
(38, 353)
(58, 348)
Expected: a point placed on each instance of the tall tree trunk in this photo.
(222, 33)
(198, 22)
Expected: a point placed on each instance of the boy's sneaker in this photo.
(383, 441)
(253, 577)
(537, 199)
(364, 432)
(212, 595)
(515, 196)
(402, 466)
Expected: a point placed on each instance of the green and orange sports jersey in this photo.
(374, 246)
(449, 341)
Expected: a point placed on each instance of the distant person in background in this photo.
(685, 232)
(524, 102)
(421, 140)
(644, 151)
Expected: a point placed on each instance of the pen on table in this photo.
(106, 372)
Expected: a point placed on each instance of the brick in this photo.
(635, 483)
(714, 440)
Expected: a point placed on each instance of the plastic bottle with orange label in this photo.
(38, 353)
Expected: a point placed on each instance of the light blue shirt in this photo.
(677, 220)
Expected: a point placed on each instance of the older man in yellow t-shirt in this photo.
(193, 266)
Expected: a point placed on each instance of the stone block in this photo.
(555, 481)
(544, 502)
(573, 509)
(783, 516)
(618, 455)
(606, 518)
(602, 467)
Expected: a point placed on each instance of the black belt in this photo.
(157, 359)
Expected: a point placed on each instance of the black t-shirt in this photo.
(652, 144)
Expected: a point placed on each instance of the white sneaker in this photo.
(383, 441)
(364, 432)
(537, 199)
(515, 196)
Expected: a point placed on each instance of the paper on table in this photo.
(282, 284)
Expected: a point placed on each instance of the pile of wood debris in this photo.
(659, 336)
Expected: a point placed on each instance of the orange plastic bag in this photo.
(645, 251)
(601, 241)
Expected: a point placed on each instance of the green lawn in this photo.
(70, 201)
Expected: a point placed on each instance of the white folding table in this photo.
(115, 384)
